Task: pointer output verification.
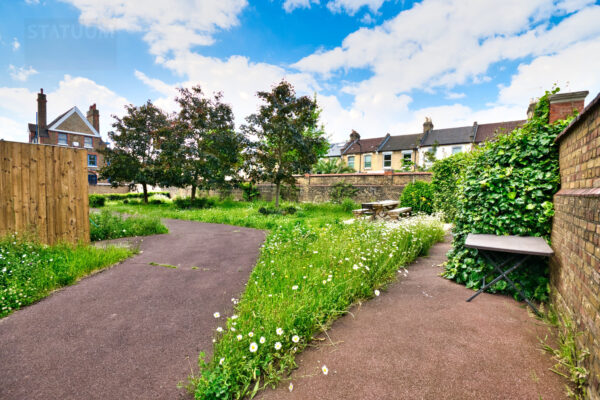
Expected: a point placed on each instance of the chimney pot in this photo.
(563, 105)
(427, 125)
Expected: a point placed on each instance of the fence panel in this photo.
(44, 191)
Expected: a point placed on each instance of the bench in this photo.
(396, 213)
(363, 211)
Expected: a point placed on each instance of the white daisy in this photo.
(216, 315)
(279, 331)
(277, 345)
(295, 338)
(325, 369)
(253, 347)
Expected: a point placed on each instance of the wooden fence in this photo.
(44, 191)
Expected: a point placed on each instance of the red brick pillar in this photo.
(563, 105)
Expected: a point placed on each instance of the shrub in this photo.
(342, 190)
(349, 205)
(419, 196)
(97, 200)
(106, 225)
(249, 191)
(507, 189)
(446, 176)
(277, 211)
(198, 202)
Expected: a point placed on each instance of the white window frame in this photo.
(370, 161)
(88, 160)
(66, 143)
(460, 150)
(404, 154)
(351, 162)
(85, 144)
(387, 153)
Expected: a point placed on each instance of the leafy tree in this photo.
(210, 149)
(289, 137)
(135, 155)
(331, 166)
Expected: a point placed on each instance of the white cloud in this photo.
(15, 44)
(352, 6)
(21, 73)
(454, 95)
(291, 5)
(19, 105)
(169, 25)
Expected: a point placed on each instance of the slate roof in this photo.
(401, 142)
(335, 149)
(363, 146)
(462, 134)
(490, 131)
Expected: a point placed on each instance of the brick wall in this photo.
(575, 268)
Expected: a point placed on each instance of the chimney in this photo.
(93, 115)
(427, 125)
(42, 120)
(563, 105)
(354, 135)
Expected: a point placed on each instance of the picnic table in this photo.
(385, 209)
(504, 250)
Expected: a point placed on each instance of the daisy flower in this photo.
(216, 315)
(277, 346)
(295, 338)
(262, 340)
(377, 292)
(325, 369)
(239, 337)
(219, 329)
(221, 361)
(279, 331)
(250, 334)
(291, 387)
(253, 347)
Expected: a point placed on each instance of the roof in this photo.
(490, 131)
(401, 142)
(55, 124)
(363, 146)
(462, 134)
(335, 149)
(55, 120)
(593, 105)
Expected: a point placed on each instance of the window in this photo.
(351, 162)
(92, 179)
(387, 160)
(87, 142)
(368, 161)
(92, 160)
(406, 156)
(456, 149)
(62, 139)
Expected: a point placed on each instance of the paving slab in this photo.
(420, 339)
(132, 331)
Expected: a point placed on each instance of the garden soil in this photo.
(135, 330)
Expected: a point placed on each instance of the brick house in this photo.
(71, 129)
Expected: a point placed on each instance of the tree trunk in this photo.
(145, 193)
(277, 187)
(193, 192)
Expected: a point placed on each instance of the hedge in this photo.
(419, 196)
(507, 189)
(447, 174)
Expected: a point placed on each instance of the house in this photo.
(361, 154)
(399, 152)
(71, 129)
(442, 143)
(488, 132)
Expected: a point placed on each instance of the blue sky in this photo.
(376, 66)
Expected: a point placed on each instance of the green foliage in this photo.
(29, 271)
(289, 139)
(348, 205)
(507, 189)
(419, 196)
(277, 211)
(97, 200)
(305, 278)
(123, 196)
(331, 166)
(249, 191)
(340, 191)
(135, 155)
(206, 150)
(198, 202)
(109, 225)
(446, 177)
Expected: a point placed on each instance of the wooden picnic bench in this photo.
(382, 210)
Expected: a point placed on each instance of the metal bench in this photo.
(396, 213)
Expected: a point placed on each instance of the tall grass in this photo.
(30, 271)
(305, 278)
(108, 225)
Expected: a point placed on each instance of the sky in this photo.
(376, 66)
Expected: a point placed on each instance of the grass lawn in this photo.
(312, 268)
(107, 225)
(30, 271)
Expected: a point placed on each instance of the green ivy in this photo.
(419, 196)
(507, 189)
(447, 174)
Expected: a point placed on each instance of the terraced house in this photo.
(71, 129)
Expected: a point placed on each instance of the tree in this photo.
(135, 154)
(210, 149)
(290, 139)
